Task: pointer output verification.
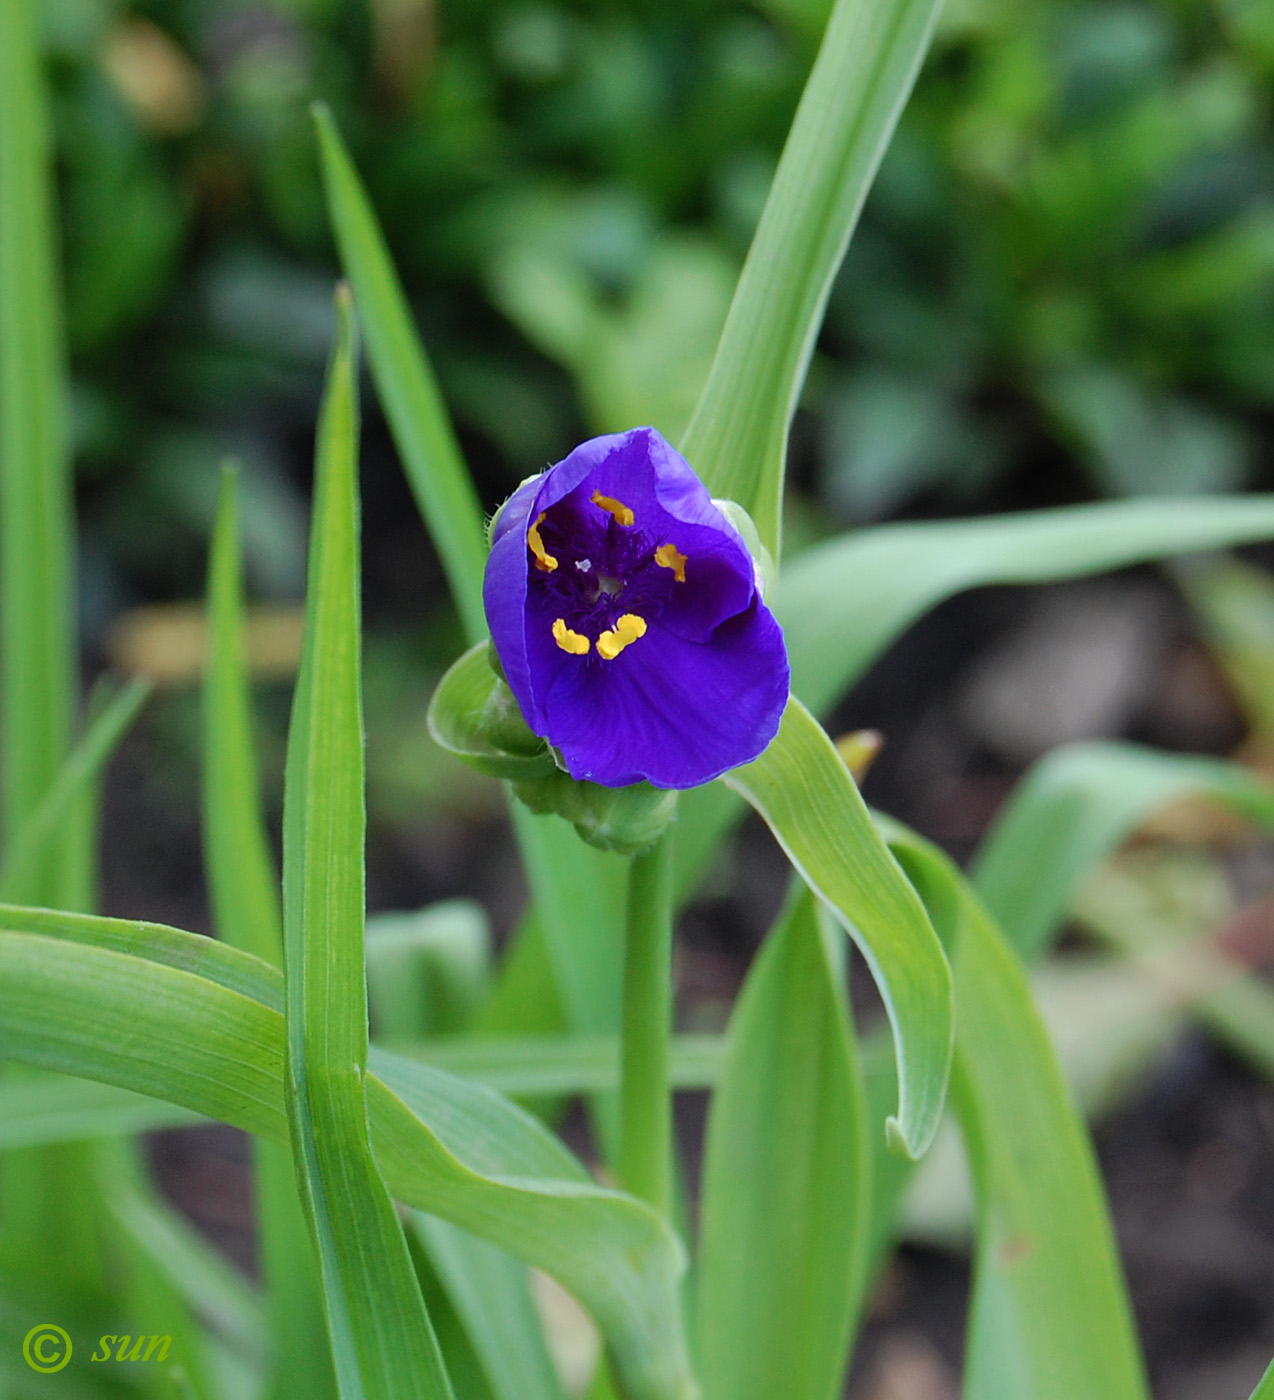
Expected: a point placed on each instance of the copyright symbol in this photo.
(46, 1347)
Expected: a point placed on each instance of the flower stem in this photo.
(645, 1141)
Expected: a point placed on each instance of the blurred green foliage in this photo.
(1067, 261)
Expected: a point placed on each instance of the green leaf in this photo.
(491, 1297)
(246, 908)
(1234, 603)
(577, 922)
(195, 1270)
(35, 1112)
(1049, 1318)
(78, 1000)
(1265, 1387)
(579, 898)
(405, 383)
(737, 439)
(38, 839)
(38, 672)
(469, 717)
(428, 970)
(800, 785)
(382, 1344)
(226, 1062)
(1074, 807)
(242, 882)
(786, 1181)
(843, 602)
(575, 1064)
(167, 1265)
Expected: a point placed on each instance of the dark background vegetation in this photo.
(1062, 288)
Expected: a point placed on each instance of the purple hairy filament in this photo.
(607, 576)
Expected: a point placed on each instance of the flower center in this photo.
(605, 554)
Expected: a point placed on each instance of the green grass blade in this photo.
(38, 1112)
(226, 1061)
(77, 1001)
(579, 899)
(800, 785)
(1265, 1387)
(154, 1288)
(213, 1289)
(1050, 1318)
(36, 843)
(242, 882)
(529, 1066)
(170, 947)
(1073, 808)
(38, 672)
(246, 909)
(786, 1184)
(737, 439)
(562, 868)
(843, 602)
(491, 1298)
(405, 383)
(428, 970)
(35, 1113)
(382, 1344)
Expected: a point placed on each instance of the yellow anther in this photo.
(623, 516)
(570, 641)
(627, 630)
(668, 556)
(543, 559)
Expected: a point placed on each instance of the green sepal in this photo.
(745, 526)
(473, 714)
(628, 819)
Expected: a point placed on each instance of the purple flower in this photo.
(625, 610)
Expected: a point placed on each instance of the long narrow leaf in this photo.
(35, 1113)
(383, 1346)
(491, 1297)
(1050, 1318)
(842, 603)
(800, 785)
(404, 380)
(76, 1001)
(246, 907)
(1074, 807)
(786, 1184)
(37, 840)
(37, 634)
(737, 439)
(578, 907)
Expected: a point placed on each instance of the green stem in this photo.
(645, 1141)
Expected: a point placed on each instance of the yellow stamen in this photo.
(668, 556)
(570, 641)
(627, 630)
(623, 516)
(543, 559)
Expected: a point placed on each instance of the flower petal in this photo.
(672, 712)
